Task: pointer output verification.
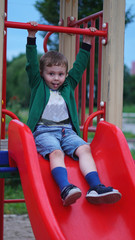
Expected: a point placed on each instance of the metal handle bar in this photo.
(86, 124)
(9, 113)
(51, 28)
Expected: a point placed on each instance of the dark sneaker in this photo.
(70, 194)
(101, 194)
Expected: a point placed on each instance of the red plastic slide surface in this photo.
(81, 221)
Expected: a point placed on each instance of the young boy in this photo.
(54, 122)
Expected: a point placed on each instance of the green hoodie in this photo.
(40, 92)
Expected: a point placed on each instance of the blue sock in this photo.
(92, 178)
(60, 176)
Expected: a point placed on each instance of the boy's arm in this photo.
(79, 66)
(88, 38)
(32, 66)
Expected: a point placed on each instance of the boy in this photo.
(54, 122)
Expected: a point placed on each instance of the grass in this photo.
(133, 153)
(13, 190)
(129, 135)
(129, 108)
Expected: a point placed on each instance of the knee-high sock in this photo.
(92, 178)
(60, 176)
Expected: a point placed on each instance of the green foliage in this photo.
(129, 87)
(18, 91)
(129, 17)
(17, 83)
(50, 11)
(88, 7)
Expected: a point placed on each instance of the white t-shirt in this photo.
(56, 108)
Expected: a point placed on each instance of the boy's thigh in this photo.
(47, 143)
(70, 142)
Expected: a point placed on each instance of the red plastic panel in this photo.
(82, 220)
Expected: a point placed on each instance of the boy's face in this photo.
(54, 76)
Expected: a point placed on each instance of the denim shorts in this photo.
(51, 138)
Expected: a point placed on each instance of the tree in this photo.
(129, 87)
(50, 11)
(17, 83)
(18, 91)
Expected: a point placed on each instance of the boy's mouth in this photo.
(55, 85)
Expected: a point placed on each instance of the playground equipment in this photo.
(49, 219)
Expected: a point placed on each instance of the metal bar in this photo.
(83, 98)
(45, 40)
(99, 69)
(77, 88)
(90, 129)
(51, 28)
(4, 158)
(86, 19)
(83, 92)
(14, 201)
(9, 113)
(8, 169)
(3, 124)
(92, 65)
(1, 208)
(89, 119)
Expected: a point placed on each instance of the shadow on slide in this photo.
(82, 220)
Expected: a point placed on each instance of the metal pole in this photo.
(2, 15)
(1, 207)
(51, 28)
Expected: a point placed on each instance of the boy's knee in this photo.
(56, 153)
(56, 159)
(83, 149)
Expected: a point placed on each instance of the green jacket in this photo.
(40, 92)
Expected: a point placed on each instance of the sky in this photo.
(24, 11)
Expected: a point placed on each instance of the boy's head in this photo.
(53, 68)
(53, 58)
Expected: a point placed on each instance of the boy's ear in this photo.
(40, 73)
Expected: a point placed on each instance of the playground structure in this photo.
(49, 219)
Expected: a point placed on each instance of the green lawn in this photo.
(129, 109)
(13, 190)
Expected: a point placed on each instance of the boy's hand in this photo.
(87, 38)
(32, 33)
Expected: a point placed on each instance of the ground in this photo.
(17, 227)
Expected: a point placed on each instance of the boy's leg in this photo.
(69, 192)
(97, 193)
(47, 141)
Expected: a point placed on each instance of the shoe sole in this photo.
(72, 197)
(105, 198)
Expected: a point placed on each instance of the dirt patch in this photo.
(17, 227)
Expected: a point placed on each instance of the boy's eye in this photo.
(60, 74)
(51, 74)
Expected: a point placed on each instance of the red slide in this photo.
(82, 220)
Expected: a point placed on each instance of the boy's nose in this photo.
(56, 77)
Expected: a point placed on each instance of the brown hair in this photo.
(53, 58)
